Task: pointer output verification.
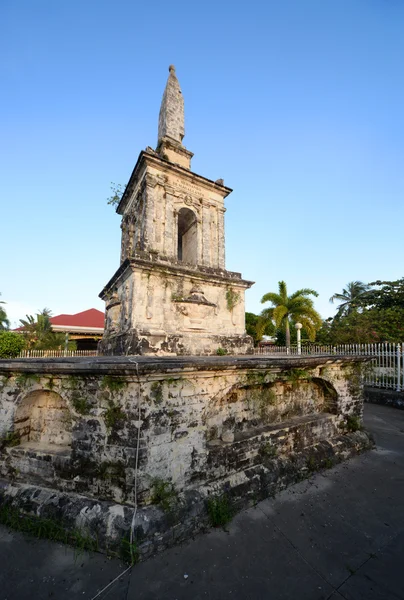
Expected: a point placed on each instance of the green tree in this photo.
(295, 308)
(350, 297)
(369, 326)
(11, 344)
(4, 322)
(375, 315)
(384, 294)
(116, 194)
(256, 326)
(38, 332)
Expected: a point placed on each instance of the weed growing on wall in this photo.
(112, 471)
(232, 299)
(311, 464)
(26, 379)
(164, 494)
(129, 551)
(113, 415)
(156, 389)
(328, 463)
(219, 510)
(47, 529)
(353, 423)
(268, 450)
(221, 351)
(50, 384)
(80, 404)
(11, 439)
(293, 376)
(113, 384)
(72, 382)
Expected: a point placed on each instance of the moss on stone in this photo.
(112, 383)
(27, 379)
(114, 416)
(156, 390)
(11, 439)
(80, 404)
(113, 471)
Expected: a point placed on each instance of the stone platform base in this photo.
(387, 397)
(155, 529)
(161, 344)
(92, 441)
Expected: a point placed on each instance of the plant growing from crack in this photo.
(232, 299)
(80, 404)
(164, 494)
(353, 423)
(219, 510)
(114, 415)
(27, 379)
(11, 439)
(156, 390)
(113, 384)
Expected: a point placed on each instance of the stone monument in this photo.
(172, 293)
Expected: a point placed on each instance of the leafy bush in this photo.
(11, 344)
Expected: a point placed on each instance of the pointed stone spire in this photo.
(171, 124)
(171, 117)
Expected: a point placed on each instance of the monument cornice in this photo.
(197, 272)
(153, 159)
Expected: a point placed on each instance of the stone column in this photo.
(149, 231)
(221, 240)
(214, 238)
(206, 250)
(124, 235)
(170, 240)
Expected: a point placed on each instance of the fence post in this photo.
(398, 388)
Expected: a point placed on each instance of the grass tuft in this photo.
(219, 510)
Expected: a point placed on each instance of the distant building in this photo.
(85, 328)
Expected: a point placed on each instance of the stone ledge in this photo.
(139, 365)
(382, 396)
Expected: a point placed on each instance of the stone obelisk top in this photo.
(171, 124)
(171, 117)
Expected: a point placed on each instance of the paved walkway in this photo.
(338, 536)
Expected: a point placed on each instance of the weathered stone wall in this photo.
(193, 424)
(157, 308)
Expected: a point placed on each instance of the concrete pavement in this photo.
(339, 535)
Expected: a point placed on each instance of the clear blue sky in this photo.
(297, 104)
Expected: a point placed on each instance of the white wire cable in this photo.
(132, 527)
(133, 522)
(110, 583)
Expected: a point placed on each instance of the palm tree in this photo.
(353, 291)
(297, 307)
(38, 332)
(4, 322)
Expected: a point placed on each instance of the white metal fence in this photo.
(386, 368)
(55, 353)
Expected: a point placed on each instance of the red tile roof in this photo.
(87, 318)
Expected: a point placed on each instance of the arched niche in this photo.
(187, 236)
(254, 403)
(42, 418)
